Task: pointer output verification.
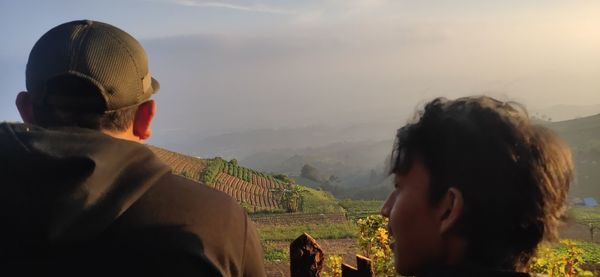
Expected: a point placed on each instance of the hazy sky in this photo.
(227, 65)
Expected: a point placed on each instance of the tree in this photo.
(310, 172)
(284, 178)
(292, 199)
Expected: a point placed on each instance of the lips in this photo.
(391, 237)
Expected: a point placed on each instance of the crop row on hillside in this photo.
(186, 166)
(245, 192)
(218, 165)
(258, 192)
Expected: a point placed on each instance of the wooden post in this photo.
(363, 269)
(306, 257)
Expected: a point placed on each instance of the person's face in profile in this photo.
(413, 222)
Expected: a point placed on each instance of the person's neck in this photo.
(125, 135)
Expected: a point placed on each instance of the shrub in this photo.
(333, 266)
(565, 260)
(283, 178)
(374, 240)
(213, 169)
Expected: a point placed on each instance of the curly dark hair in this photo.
(514, 175)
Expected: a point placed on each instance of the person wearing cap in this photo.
(81, 195)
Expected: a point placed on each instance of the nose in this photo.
(387, 206)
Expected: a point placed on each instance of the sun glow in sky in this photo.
(292, 63)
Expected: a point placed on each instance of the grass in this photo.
(361, 206)
(317, 231)
(274, 254)
(264, 211)
(585, 213)
(591, 251)
(271, 233)
(317, 201)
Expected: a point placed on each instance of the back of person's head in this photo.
(513, 175)
(87, 74)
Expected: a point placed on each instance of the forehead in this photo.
(417, 175)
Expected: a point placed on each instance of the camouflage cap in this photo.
(89, 66)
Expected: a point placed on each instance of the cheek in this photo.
(403, 212)
(415, 234)
(402, 222)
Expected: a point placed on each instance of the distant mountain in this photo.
(583, 136)
(356, 160)
(580, 132)
(565, 112)
(241, 144)
(351, 162)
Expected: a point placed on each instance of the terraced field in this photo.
(258, 193)
(187, 166)
(255, 190)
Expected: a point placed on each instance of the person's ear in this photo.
(143, 119)
(25, 107)
(450, 209)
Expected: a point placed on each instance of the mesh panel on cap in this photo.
(49, 57)
(109, 59)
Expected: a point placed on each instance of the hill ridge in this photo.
(254, 190)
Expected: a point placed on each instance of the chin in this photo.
(404, 270)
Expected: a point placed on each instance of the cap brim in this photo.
(155, 86)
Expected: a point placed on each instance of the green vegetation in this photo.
(585, 213)
(360, 208)
(214, 167)
(567, 258)
(317, 201)
(312, 173)
(333, 266)
(264, 211)
(217, 165)
(317, 231)
(374, 240)
(273, 253)
(186, 174)
(284, 178)
(292, 199)
(591, 251)
(582, 136)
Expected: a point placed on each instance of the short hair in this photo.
(75, 102)
(119, 120)
(514, 175)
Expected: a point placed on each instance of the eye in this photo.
(398, 186)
